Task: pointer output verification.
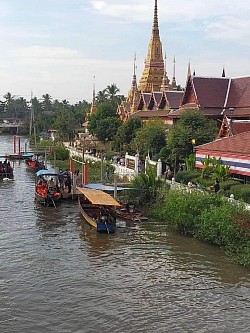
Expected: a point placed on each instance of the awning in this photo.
(98, 197)
(102, 187)
(50, 172)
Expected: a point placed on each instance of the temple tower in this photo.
(154, 71)
(93, 105)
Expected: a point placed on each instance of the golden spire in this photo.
(133, 93)
(174, 80)
(155, 23)
(154, 65)
(165, 79)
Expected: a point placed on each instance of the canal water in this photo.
(58, 275)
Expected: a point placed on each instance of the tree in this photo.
(97, 120)
(192, 125)
(101, 96)
(150, 138)
(47, 102)
(126, 133)
(106, 128)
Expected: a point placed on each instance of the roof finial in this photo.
(189, 69)
(223, 72)
(155, 24)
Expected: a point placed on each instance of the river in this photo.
(58, 275)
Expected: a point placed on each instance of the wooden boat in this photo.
(129, 212)
(98, 209)
(47, 190)
(6, 170)
(33, 163)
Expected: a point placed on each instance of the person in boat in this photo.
(9, 168)
(130, 207)
(51, 183)
(1, 167)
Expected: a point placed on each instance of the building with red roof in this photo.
(234, 151)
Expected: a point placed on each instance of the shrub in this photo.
(241, 192)
(227, 184)
(60, 153)
(217, 225)
(186, 176)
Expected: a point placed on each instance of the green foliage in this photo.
(126, 133)
(210, 218)
(228, 184)
(60, 153)
(217, 225)
(213, 167)
(241, 192)
(190, 162)
(104, 123)
(151, 137)
(192, 125)
(148, 184)
(186, 176)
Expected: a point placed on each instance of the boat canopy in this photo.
(97, 197)
(27, 155)
(50, 172)
(102, 187)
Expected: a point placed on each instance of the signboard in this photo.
(130, 164)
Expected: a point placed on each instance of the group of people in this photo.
(44, 187)
(5, 167)
(65, 180)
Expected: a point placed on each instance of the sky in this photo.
(64, 47)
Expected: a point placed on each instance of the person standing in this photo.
(216, 185)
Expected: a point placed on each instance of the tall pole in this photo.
(102, 168)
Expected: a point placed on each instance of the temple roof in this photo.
(239, 93)
(210, 92)
(150, 114)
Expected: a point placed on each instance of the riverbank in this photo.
(208, 217)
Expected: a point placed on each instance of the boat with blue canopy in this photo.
(47, 189)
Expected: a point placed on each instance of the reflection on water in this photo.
(58, 275)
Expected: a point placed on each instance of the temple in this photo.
(153, 91)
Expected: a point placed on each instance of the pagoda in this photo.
(154, 71)
(154, 83)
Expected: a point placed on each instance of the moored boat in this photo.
(6, 170)
(34, 164)
(98, 209)
(128, 212)
(47, 190)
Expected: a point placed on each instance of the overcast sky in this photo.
(58, 46)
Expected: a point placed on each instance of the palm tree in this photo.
(47, 102)
(112, 90)
(101, 96)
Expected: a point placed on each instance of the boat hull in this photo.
(135, 216)
(91, 214)
(47, 200)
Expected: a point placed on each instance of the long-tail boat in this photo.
(98, 209)
(47, 190)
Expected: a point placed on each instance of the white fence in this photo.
(130, 168)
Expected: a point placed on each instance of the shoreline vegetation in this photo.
(208, 217)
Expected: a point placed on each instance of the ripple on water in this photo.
(58, 275)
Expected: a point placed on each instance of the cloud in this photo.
(64, 71)
(216, 19)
